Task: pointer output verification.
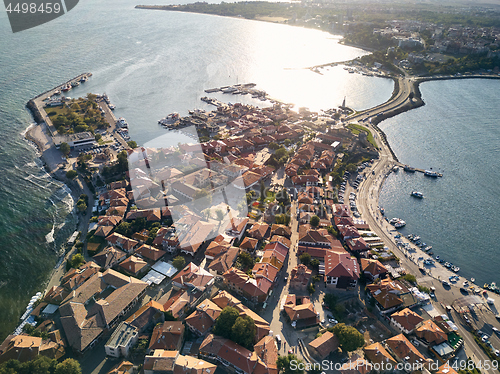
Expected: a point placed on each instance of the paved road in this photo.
(279, 324)
(367, 199)
(400, 98)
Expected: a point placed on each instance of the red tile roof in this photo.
(407, 318)
(341, 265)
(325, 344)
(149, 252)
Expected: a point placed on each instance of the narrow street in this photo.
(279, 324)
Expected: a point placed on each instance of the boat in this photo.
(112, 107)
(416, 238)
(210, 90)
(66, 88)
(57, 92)
(428, 248)
(400, 224)
(430, 173)
(75, 83)
(122, 122)
(229, 89)
(472, 280)
(455, 269)
(382, 210)
(420, 195)
(83, 79)
(171, 118)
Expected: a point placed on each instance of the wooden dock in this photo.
(410, 169)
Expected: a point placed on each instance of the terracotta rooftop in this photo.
(407, 318)
(325, 344)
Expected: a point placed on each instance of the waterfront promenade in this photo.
(367, 198)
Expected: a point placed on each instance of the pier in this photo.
(410, 169)
(240, 89)
(36, 105)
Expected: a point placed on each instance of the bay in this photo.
(457, 133)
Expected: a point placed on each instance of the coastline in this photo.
(368, 197)
(35, 135)
(39, 135)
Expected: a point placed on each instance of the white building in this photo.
(120, 342)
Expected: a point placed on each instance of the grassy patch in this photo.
(56, 110)
(270, 197)
(356, 129)
(102, 142)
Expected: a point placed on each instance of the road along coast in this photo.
(368, 196)
(40, 135)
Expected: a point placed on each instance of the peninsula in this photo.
(250, 221)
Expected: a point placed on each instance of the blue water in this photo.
(150, 63)
(457, 133)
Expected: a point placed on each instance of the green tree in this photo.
(132, 144)
(65, 149)
(68, 366)
(71, 174)
(273, 146)
(124, 228)
(243, 332)
(246, 260)
(289, 364)
(315, 263)
(281, 152)
(330, 300)
(332, 231)
(350, 339)
(310, 288)
(77, 260)
(282, 219)
(179, 262)
(410, 278)
(122, 158)
(305, 258)
(287, 142)
(314, 221)
(262, 191)
(283, 197)
(224, 323)
(81, 206)
(219, 214)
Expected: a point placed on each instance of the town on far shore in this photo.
(242, 251)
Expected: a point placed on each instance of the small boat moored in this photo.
(417, 194)
(430, 173)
